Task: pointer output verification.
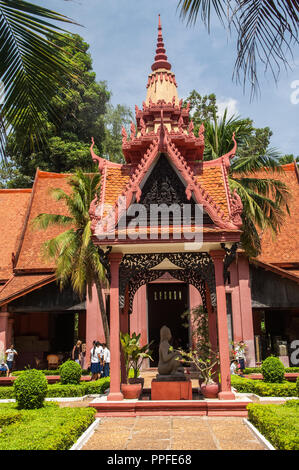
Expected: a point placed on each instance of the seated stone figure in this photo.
(168, 360)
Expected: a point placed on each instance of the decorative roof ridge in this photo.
(102, 162)
(15, 190)
(201, 194)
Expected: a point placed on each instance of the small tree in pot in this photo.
(202, 356)
(134, 355)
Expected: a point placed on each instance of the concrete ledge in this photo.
(206, 407)
(86, 435)
(258, 435)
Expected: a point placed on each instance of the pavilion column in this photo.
(235, 296)
(246, 309)
(115, 393)
(223, 342)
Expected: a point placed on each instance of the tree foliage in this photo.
(77, 258)
(32, 66)
(84, 111)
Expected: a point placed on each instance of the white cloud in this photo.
(230, 104)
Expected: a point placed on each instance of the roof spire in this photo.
(160, 58)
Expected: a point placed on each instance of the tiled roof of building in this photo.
(13, 208)
(211, 178)
(29, 258)
(18, 208)
(284, 248)
(17, 286)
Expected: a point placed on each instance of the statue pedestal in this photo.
(171, 390)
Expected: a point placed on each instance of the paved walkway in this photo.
(173, 433)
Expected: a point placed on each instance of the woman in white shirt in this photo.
(95, 361)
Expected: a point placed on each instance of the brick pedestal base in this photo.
(171, 390)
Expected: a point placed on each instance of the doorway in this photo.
(166, 304)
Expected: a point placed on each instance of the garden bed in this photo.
(278, 423)
(264, 389)
(48, 428)
(59, 391)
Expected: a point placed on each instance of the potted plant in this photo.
(202, 356)
(134, 355)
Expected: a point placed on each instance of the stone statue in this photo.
(168, 365)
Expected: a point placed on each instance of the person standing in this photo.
(240, 355)
(95, 361)
(106, 360)
(10, 355)
(4, 368)
(77, 352)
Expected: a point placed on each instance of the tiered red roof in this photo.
(165, 127)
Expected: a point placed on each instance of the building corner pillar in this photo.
(223, 342)
(5, 330)
(115, 362)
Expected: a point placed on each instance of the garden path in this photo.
(173, 433)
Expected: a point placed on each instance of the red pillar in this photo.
(246, 309)
(223, 342)
(236, 309)
(4, 332)
(115, 393)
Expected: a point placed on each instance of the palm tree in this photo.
(266, 31)
(77, 259)
(32, 66)
(264, 199)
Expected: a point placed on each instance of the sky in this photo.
(122, 35)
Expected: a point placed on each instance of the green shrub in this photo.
(273, 370)
(278, 423)
(263, 389)
(30, 389)
(297, 386)
(70, 373)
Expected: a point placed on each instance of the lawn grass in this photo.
(48, 428)
(278, 423)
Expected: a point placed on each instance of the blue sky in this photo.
(122, 36)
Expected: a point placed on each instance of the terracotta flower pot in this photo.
(210, 390)
(131, 391)
(137, 380)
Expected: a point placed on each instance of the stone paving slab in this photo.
(173, 433)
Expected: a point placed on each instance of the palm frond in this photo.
(43, 221)
(266, 29)
(31, 62)
(190, 9)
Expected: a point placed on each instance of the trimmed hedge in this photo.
(264, 389)
(61, 391)
(30, 389)
(16, 373)
(273, 370)
(258, 370)
(70, 373)
(49, 428)
(9, 416)
(278, 423)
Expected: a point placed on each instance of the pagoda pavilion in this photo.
(157, 269)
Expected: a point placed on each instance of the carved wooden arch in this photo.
(136, 270)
